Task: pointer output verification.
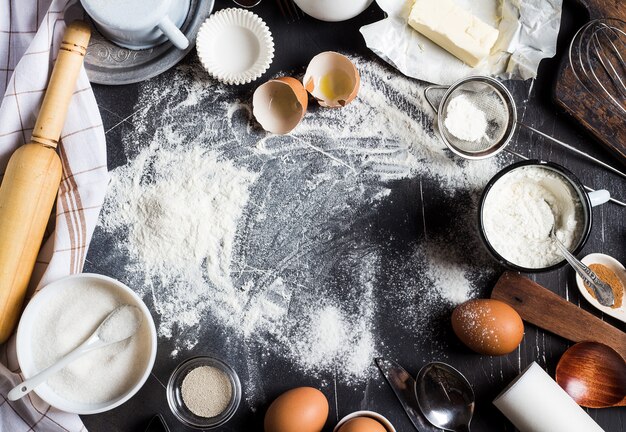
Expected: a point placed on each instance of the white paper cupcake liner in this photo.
(235, 46)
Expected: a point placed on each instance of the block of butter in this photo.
(454, 29)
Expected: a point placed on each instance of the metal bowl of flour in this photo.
(584, 197)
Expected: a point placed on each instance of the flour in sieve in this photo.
(298, 240)
(464, 120)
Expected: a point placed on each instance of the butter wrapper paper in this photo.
(528, 33)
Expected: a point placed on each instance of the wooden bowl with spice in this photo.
(204, 392)
(613, 273)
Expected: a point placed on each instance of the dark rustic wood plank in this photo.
(584, 102)
(488, 375)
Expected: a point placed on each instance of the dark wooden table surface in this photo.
(296, 43)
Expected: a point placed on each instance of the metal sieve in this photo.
(487, 95)
(492, 98)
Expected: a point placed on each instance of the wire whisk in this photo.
(289, 10)
(596, 56)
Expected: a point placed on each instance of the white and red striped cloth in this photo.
(30, 34)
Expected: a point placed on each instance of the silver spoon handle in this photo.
(603, 291)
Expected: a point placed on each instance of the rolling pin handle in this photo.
(31, 181)
(62, 84)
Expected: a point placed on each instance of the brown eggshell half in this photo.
(322, 64)
(302, 409)
(488, 326)
(362, 424)
(284, 116)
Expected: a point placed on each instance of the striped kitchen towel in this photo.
(30, 34)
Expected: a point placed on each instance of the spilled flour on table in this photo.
(294, 247)
(180, 207)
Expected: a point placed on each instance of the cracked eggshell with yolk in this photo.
(332, 79)
(279, 105)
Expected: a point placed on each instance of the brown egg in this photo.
(488, 326)
(362, 424)
(303, 409)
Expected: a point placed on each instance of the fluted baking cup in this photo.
(235, 46)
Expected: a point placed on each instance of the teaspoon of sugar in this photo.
(122, 323)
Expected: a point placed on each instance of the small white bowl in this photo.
(24, 343)
(371, 414)
(333, 10)
(620, 271)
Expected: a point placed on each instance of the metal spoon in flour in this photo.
(602, 290)
(122, 323)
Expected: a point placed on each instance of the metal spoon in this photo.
(445, 397)
(107, 333)
(602, 290)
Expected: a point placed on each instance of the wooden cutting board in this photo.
(541, 307)
(604, 123)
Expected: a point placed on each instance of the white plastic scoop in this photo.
(122, 323)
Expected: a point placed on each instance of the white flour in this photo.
(180, 207)
(520, 210)
(274, 242)
(464, 120)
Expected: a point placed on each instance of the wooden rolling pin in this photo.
(31, 181)
(546, 310)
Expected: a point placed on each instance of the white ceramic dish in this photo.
(371, 414)
(620, 271)
(235, 46)
(333, 10)
(24, 341)
(134, 28)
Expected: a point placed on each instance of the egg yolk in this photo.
(336, 84)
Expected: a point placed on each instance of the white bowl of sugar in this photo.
(59, 318)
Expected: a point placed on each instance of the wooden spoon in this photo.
(593, 374)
